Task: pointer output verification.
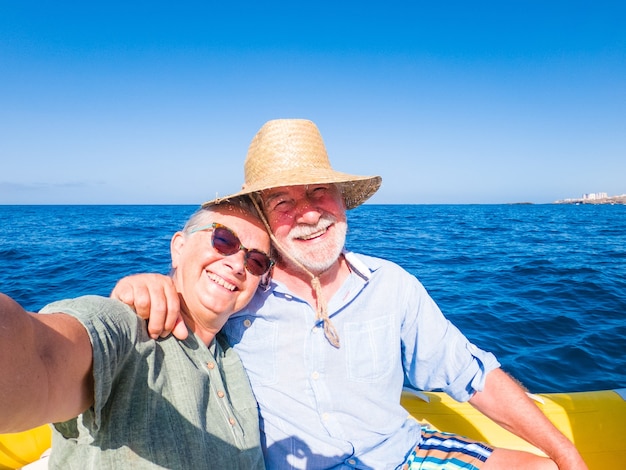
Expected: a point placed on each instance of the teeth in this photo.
(221, 282)
(313, 235)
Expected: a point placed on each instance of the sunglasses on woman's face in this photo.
(227, 243)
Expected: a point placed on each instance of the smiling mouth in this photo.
(220, 281)
(312, 235)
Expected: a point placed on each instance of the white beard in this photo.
(321, 257)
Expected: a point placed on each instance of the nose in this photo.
(236, 262)
(307, 212)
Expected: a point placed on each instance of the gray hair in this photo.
(240, 204)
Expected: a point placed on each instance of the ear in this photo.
(266, 280)
(176, 248)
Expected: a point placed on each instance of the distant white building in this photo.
(594, 196)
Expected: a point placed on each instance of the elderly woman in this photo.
(120, 399)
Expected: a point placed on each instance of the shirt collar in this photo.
(357, 265)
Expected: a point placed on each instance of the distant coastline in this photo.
(597, 198)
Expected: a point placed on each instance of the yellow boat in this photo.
(23, 448)
(594, 421)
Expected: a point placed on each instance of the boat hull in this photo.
(594, 421)
(20, 449)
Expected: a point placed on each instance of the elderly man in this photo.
(329, 343)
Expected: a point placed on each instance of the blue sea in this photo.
(541, 286)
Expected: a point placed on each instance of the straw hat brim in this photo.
(355, 189)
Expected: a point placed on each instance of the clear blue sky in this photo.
(148, 102)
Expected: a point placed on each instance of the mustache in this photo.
(305, 230)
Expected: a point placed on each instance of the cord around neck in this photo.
(321, 309)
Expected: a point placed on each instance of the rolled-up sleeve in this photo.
(472, 379)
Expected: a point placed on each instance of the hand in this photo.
(154, 298)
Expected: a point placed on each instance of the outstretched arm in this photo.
(45, 368)
(154, 297)
(504, 401)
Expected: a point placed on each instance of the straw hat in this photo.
(291, 152)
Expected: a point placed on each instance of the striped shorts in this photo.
(441, 450)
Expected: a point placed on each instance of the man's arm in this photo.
(504, 401)
(45, 368)
(154, 298)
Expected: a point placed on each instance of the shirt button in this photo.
(232, 421)
(210, 365)
(220, 394)
(247, 323)
(315, 375)
(325, 416)
(352, 462)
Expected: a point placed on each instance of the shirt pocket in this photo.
(372, 350)
(255, 340)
